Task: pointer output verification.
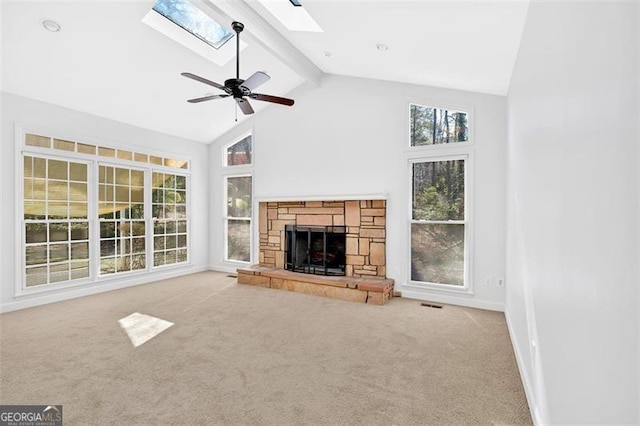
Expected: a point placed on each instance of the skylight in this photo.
(191, 24)
(292, 15)
(184, 14)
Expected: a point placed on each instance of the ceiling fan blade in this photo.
(203, 80)
(244, 105)
(258, 78)
(272, 99)
(206, 98)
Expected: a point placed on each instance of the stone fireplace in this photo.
(363, 220)
(339, 246)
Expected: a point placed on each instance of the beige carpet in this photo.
(245, 355)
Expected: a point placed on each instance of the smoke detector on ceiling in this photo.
(50, 25)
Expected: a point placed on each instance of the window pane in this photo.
(58, 273)
(36, 233)
(86, 149)
(57, 170)
(80, 231)
(79, 251)
(437, 253)
(58, 231)
(432, 126)
(238, 240)
(240, 152)
(239, 196)
(79, 269)
(35, 140)
(64, 145)
(36, 255)
(58, 253)
(37, 276)
(190, 18)
(78, 172)
(438, 190)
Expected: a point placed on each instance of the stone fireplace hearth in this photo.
(364, 224)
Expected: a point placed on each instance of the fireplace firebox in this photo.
(316, 250)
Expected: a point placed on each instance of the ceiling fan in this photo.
(239, 89)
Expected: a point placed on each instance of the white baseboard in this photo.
(452, 300)
(225, 269)
(94, 288)
(527, 382)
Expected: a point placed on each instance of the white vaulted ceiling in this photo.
(106, 62)
(467, 45)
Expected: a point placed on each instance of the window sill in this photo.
(439, 287)
(97, 281)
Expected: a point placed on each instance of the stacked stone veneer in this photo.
(365, 221)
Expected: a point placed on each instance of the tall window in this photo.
(122, 220)
(438, 158)
(239, 218)
(238, 204)
(169, 196)
(56, 222)
(126, 214)
(434, 126)
(438, 222)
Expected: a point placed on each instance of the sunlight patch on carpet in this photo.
(141, 328)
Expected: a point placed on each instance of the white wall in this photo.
(572, 249)
(74, 125)
(348, 138)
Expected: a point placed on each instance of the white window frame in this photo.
(468, 241)
(151, 220)
(93, 162)
(446, 106)
(21, 283)
(442, 152)
(227, 218)
(240, 170)
(225, 147)
(146, 217)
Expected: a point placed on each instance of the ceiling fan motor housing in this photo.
(237, 26)
(236, 87)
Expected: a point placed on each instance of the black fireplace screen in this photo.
(316, 249)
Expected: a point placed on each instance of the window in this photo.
(239, 153)
(238, 218)
(435, 126)
(187, 16)
(122, 219)
(55, 220)
(438, 221)
(169, 196)
(238, 183)
(79, 213)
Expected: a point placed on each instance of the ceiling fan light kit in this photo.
(238, 88)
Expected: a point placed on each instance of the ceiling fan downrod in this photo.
(237, 27)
